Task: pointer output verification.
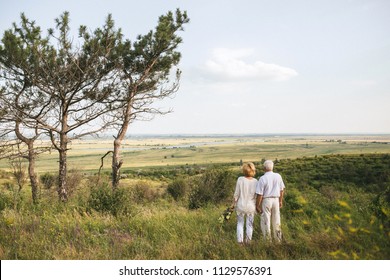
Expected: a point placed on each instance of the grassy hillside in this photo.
(336, 207)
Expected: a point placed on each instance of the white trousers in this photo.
(271, 216)
(240, 227)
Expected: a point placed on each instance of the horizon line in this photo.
(262, 134)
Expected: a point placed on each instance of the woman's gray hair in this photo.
(269, 165)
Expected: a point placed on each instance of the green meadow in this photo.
(174, 190)
(175, 151)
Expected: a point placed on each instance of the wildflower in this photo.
(344, 204)
(365, 230)
(386, 211)
(352, 229)
(337, 217)
(9, 221)
(226, 215)
(355, 256)
(297, 211)
(338, 253)
(340, 231)
(301, 200)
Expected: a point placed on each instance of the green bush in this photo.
(294, 201)
(5, 201)
(73, 180)
(215, 185)
(178, 188)
(143, 192)
(105, 200)
(48, 180)
(381, 207)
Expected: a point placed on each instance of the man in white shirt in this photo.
(269, 190)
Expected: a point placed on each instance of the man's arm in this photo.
(259, 200)
(281, 199)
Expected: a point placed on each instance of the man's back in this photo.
(270, 184)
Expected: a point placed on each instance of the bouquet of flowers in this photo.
(225, 216)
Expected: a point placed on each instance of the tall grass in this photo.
(325, 220)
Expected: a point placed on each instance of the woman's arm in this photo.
(236, 194)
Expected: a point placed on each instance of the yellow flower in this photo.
(301, 200)
(344, 204)
(355, 256)
(352, 229)
(365, 230)
(9, 221)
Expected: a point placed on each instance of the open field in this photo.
(142, 152)
(337, 202)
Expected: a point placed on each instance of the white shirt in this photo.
(270, 185)
(245, 195)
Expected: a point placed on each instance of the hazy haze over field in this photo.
(257, 66)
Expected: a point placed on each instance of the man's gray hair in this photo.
(269, 165)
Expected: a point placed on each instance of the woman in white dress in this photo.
(245, 202)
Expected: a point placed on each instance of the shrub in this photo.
(381, 206)
(5, 201)
(48, 180)
(143, 192)
(105, 200)
(294, 201)
(73, 179)
(178, 188)
(215, 185)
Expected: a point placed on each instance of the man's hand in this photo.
(259, 200)
(281, 199)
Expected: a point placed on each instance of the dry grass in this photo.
(145, 152)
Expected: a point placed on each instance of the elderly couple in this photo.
(264, 196)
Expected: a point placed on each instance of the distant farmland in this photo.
(142, 152)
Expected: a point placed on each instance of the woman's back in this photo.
(245, 194)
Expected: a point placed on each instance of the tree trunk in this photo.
(31, 161)
(116, 163)
(31, 172)
(116, 158)
(62, 190)
(62, 187)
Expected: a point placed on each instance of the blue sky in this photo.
(257, 66)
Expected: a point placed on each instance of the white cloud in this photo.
(231, 64)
